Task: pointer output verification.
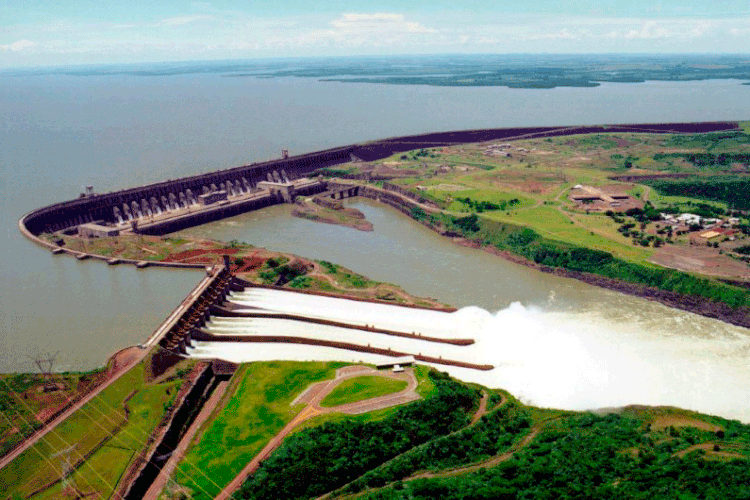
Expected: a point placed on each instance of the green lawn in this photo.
(552, 224)
(259, 406)
(478, 194)
(361, 388)
(425, 387)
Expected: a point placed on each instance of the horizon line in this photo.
(12, 69)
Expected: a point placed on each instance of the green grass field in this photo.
(597, 233)
(540, 173)
(259, 406)
(425, 387)
(99, 431)
(361, 388)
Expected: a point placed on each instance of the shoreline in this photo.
(32, 223)
(689, 303)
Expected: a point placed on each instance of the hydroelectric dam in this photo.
(227, 310)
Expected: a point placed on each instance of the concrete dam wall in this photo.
(171, 195)
(152, 200)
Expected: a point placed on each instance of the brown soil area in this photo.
(710, 453)
(250, 264)
(189, 255)
(482, 410)
(122, 359)
(700, 259)
(624, 143)
(682, 421)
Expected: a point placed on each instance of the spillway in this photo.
(319, 324)
(265, 327)
(390, 317)
(571, 360)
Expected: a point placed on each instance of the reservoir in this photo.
(59, 133)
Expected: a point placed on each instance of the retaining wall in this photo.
(202, 335)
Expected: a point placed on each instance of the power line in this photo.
(171, 450)
(139, 441)
(142, 443)
(44, 457)
(59, 437)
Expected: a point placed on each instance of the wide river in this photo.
(556, 342)
(59, 133)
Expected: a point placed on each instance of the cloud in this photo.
(205, 31)
(380, 22)
(183, 20)
(18, 46)
(563, 34)
(649, 31)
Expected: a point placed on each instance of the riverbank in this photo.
(698, 304)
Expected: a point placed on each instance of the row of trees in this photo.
(494, 433)
(482, 206)
(732, 190)
(704, 160)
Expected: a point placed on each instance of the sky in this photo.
(44, 32)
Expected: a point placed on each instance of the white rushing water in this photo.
(384, 316)
(569, 360)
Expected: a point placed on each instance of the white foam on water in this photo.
(569, 360)
(582, 361)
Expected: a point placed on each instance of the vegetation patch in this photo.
(320, 459)
(589, 456)
(102, 437)
(361, 388)
(494, 433)
(730, 190)
(257, 408)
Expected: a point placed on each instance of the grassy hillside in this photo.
(257, 407)
(101, 440)
(431, 449)
(361, 388)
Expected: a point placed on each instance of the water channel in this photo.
(556, 342)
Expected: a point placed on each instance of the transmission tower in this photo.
(66, 471)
